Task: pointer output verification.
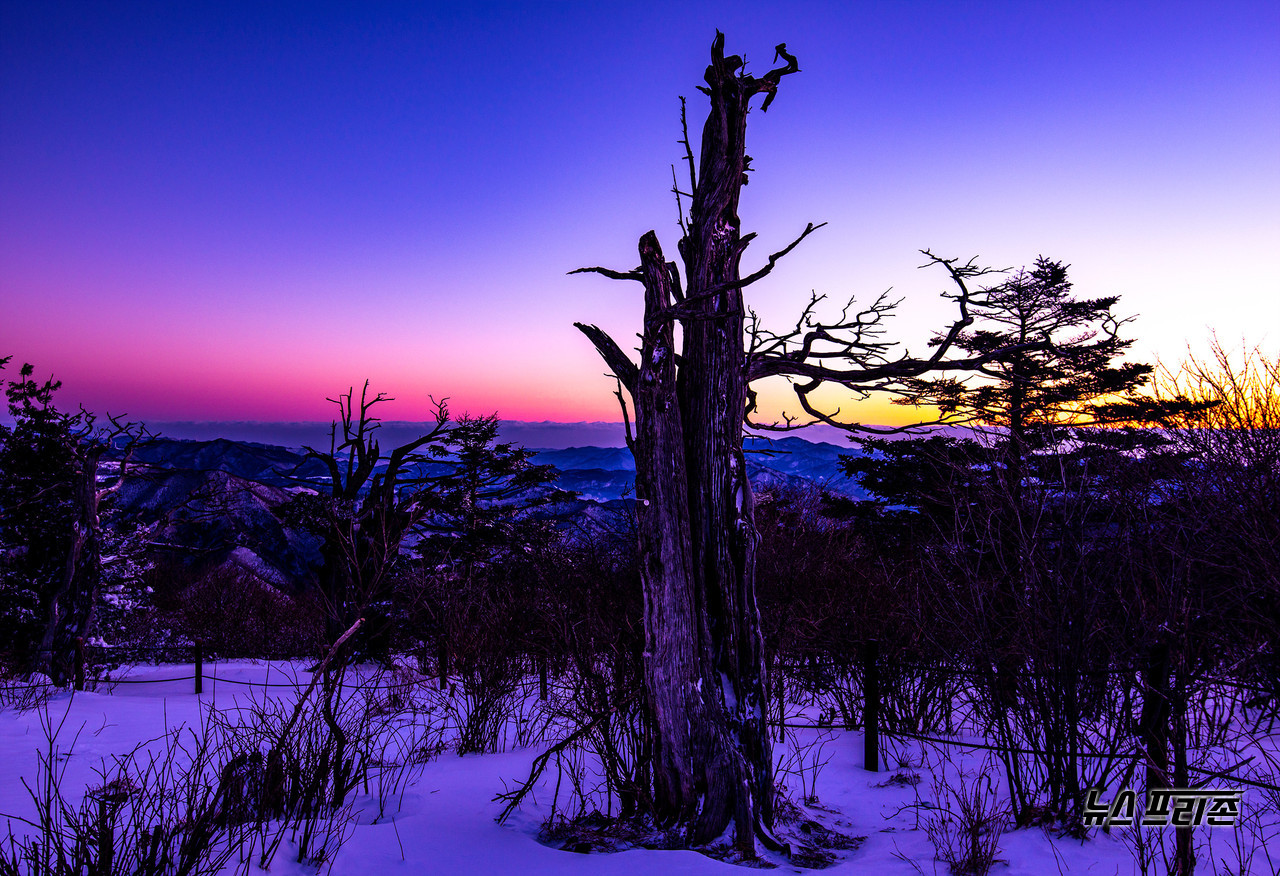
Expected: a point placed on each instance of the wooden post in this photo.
(542, 678)
(79, 663)
(871, 706)
(199, 668)
(1155, 716)
(106, 833)
(442, 659)
(1184, 855)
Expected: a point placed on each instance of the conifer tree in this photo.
(1021, 518)
(1022, 404)
(50, 537)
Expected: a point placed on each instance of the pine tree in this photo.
(49, 534)
(1072, 377)
(1036, 407)
(1021, 518)
(485, 502)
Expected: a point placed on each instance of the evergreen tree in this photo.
(1023, 519)
(1034, 407)
(49, 535)
(468, 497)
(485, 504)
(483, 596)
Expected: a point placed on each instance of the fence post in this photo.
(871, 706)
(442, 659)
(1155, 716)
(106, 833)
(1184, 855)
(199, 667)
(110, 797)
(79, 663)
(542, 677)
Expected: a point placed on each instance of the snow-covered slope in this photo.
(445, 821)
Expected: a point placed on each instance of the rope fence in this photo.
(873, 670)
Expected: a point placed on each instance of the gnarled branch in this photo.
(619, 363)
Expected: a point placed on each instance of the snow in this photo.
(445, 823)
(730, 698)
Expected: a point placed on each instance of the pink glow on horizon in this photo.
(196, 393)
(219, 214)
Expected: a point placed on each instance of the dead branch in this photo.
(633, 274)
(316, 675)
(807, 354)
(515, 797)
(619, 363)
(772, 261)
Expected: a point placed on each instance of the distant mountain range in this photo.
(605, 473)
(545, 434)
(539, 435)
(599, 473)
(220, 500)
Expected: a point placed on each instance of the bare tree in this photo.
(705, 674)
(1236, 421)
(373, 501)
(1229, 498)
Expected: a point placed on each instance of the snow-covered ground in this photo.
(446, 818)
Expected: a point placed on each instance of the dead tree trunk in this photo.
(704, 666)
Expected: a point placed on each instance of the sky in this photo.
(222, 211)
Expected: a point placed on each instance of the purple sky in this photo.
(216, 211)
